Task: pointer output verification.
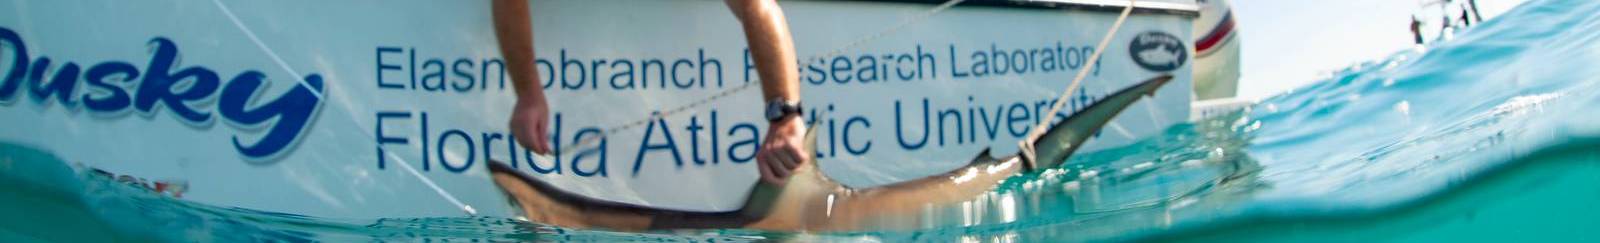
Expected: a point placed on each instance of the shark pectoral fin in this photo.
(811, 144)
(764, 196)
(1062, 139)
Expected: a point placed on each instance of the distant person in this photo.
(1446, 23)
(1416, 29)
(767, 33)
(1444, 14)
(1475, 14)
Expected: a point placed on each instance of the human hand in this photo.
(530, 120)
(783, 150)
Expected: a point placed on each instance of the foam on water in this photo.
(1490, 134)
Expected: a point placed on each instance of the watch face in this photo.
(779, 109)
(774, 111)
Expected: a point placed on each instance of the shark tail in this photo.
(1062, 139)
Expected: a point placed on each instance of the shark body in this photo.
(809, 200)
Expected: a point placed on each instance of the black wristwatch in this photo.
(777, 109)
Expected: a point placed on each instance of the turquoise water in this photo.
(1490, 136)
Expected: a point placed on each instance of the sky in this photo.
(1291, 43)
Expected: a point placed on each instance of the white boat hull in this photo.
(372, 88)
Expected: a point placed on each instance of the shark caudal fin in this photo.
(1057, 143)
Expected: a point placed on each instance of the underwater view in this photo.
(1490, 133)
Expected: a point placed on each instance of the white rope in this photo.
(264, 48)
(1039, 129)
(436, 188)
(285, 65)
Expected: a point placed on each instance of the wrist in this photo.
(530, 98)
(788, 120)
(779, 109)
(786, 127)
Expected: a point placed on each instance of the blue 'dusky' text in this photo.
(112, 87)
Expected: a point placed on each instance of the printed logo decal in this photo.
(1158, 51)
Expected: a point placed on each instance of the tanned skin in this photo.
(530, 117)
(772, 47)
(767, 32)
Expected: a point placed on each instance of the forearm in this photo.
(514, 30)
(772, 47)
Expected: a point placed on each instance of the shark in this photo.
(810, 201)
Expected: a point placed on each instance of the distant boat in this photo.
(1216, 62)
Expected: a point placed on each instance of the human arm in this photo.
(530, 117)
(772, 48)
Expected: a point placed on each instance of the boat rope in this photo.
(264, 48)
(1026, 145)
(693, 106)
(285, 65)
